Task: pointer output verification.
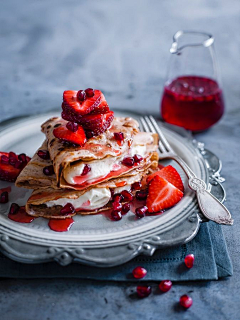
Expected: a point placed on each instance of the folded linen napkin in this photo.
(209, 248)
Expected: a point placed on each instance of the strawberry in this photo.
(103, 106)
(63, 133)
(162, 195)
(71, 115)
(170, 174)
(72, 104)
(11, 165)
(97, 124)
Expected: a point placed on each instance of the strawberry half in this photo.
(170, 174)
(72, 104)
(63, 133)
(162, 195)
(97, 124)
(11, 165)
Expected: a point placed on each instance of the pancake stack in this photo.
(89, 162)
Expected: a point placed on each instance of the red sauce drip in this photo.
(8, 189)
(60, 225)
(21, 216)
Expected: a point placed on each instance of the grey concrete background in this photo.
(122, 48)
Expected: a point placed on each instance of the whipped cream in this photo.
(101, 168)
(90, 200)
(120, 189)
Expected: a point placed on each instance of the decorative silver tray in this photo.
(95, 240)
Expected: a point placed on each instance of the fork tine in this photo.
(152, 129)
(161, 135)
(144, 124)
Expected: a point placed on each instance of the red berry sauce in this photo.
(60, 225)
(18, 214)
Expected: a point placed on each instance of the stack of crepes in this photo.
(86, 176)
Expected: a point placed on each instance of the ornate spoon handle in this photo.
(210, 206)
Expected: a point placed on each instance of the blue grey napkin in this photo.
(209, 248)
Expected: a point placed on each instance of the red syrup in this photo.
(60, 225)
(7, 189)
(192, 102)
(21, 216)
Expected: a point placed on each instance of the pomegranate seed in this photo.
(67, 209)
(12, 161)
(72, 126)
(141, 211)
(116, 215)
(186, 301)
(4, 197)
(125, 208)
(137, 158)
(117, 206)
(12, 155)
(117, 197)
(136, 186)
(141, 195)
(143, 291)
(89, 92)
(5, 159)
(22, 157)
(139, 272)
(81, 95)
(86, 169)
(14, 208)
(48, 170)
(127, 196)
(119, 136)
(189, 260)
(128, 161)
(19, 164)
(112, 194)
(43, 154)
(165, 285)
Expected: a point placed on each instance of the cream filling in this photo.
(90, 200)
(100, 168)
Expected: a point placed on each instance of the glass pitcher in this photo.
(192, 96)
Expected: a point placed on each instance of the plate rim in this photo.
(10, 246)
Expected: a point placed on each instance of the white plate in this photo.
(95, 240)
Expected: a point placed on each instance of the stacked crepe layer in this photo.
(67, 185)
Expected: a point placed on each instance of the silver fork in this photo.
(210, 206)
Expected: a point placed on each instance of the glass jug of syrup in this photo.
(192, 96)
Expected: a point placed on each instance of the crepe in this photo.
(98, 151)
(36, 205)
(32, 176)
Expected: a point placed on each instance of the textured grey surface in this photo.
(120, 47)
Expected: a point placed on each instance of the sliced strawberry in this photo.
(97, 124)
(9, 172)
(170, 174)
(103, 106)
(72, 104)
(162, 195)
(78, 137)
